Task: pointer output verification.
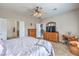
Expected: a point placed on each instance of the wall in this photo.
(28, 24)
(10, 25)
(13, 23)
(67, 22)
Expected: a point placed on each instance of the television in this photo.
(51, 29)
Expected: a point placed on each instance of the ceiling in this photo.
(16, 10)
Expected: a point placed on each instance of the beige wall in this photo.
(13, 23)
(28, 22)
(10, 25)
(67, 22)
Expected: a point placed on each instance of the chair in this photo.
(74, 47)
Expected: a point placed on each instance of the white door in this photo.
(3, 29)
(38, 30)
(21, 29)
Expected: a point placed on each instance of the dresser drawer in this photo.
(52, 36)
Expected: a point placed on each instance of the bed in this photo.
(26, 46)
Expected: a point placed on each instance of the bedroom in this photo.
(16, 19)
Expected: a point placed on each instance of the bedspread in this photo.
(28, 46)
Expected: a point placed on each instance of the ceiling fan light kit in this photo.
(37, 12)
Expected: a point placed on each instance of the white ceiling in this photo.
(12, 10)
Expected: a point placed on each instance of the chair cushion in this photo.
(74, 43)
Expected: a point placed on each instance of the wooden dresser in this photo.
(52, 36)
(32, 32)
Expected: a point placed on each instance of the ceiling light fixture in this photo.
(37, 11)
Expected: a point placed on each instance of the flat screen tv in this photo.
(51, 29)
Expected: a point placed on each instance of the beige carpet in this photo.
(61, 49)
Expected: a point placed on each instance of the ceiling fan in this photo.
(37, 11)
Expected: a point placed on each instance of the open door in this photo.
(21, 29)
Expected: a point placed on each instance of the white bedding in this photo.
(27, 46)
